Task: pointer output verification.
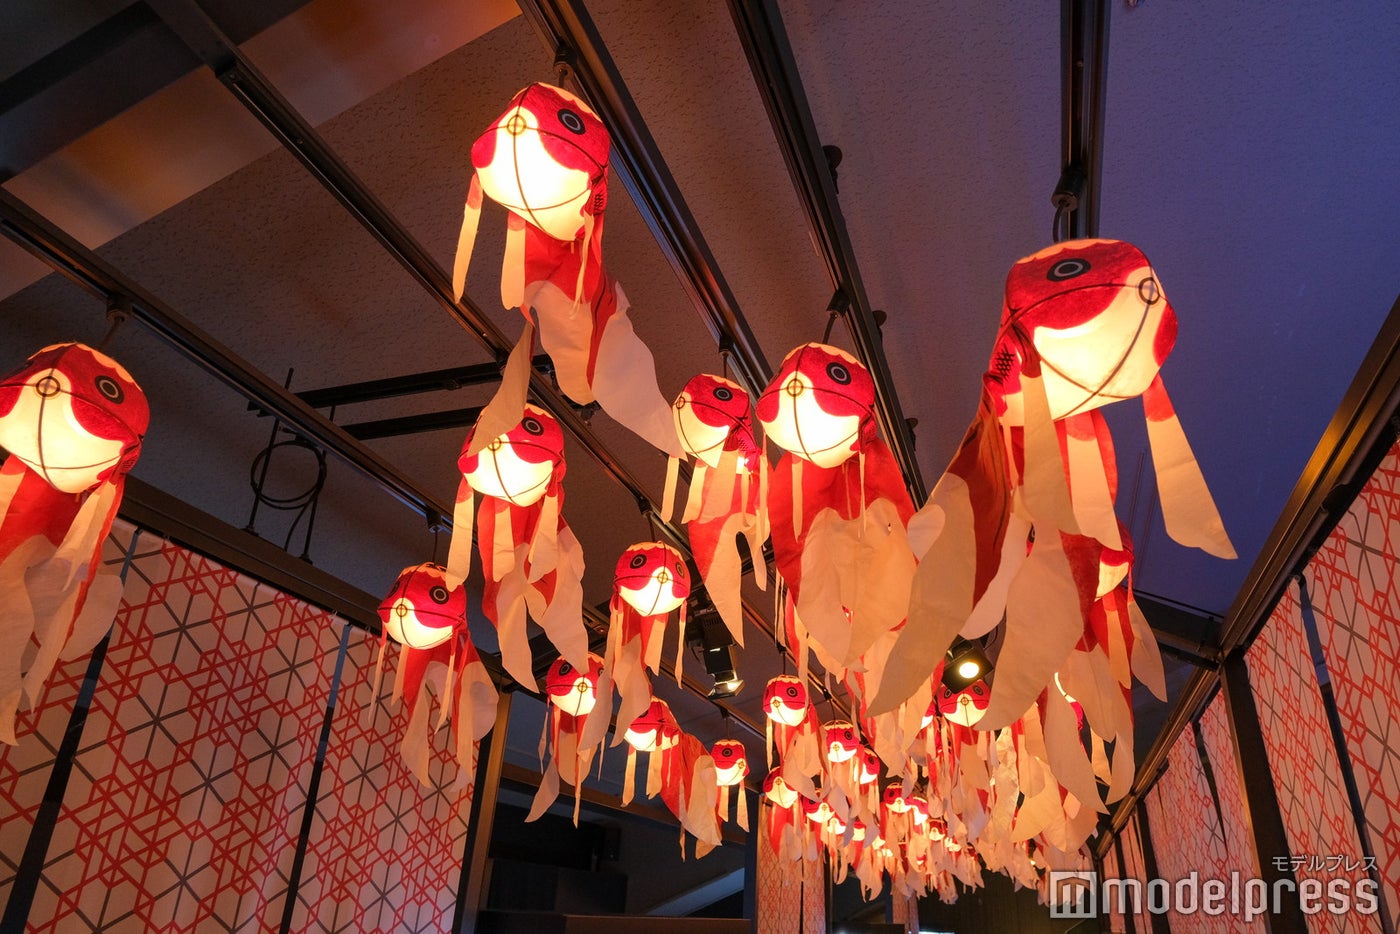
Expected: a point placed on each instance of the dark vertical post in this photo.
(751, 845)
(1158, 923)
(1261, 807)
(471, 892)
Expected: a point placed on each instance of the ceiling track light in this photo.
(966, 662)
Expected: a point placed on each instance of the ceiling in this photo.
(1247, 149)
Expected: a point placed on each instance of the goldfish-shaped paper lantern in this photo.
(837, 503)
(546, 161)
(1086, 323)
(785, 700)
(731, 768)
(72, 419)
(842, 743)
(533, 564)
(573, 696)
(653, 733)
(964, 707)
(427, 617)
(728, 489)
(650, 582)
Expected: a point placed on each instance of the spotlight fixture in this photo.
(966, 663)
(708, 630)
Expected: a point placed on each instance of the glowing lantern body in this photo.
(422, 611)
(785, 700)
(918, 809)
(893, 799)
(654, 732)
(869, 766)
(842, 743)
(73, 420)
(571, 690)
(820, 406)
(777, 790)
(1094, 317)
(707, 411)
(964, 707)
(520, 465)
(652, 579)
(818, 812)
(731, 761)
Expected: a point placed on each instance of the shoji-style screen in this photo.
(187, 795)
(1355, 595)
(1303, 760)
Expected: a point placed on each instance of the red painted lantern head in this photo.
(820, 406)
(893, 799)
(731, 761)
(543, 159)
(421, 611)
(777, 790)
(869, 766)
(652, 578)
(708, 412)
(918, 809)
(1093, 315)
(936, 829)
(818, 812)
(967, 706)
(520, 465)
(858, 832)
(842, 743)
(74, 416)
(656, 730)
(785, 700)
(573, 691)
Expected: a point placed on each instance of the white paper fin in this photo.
(624, 383)
(1188, 509)
(459, 549)
(513, 264)
(466, 238)
(507, 406)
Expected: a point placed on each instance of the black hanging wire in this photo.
(118, 313)
(830, 323)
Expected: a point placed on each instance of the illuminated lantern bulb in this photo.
(869, 766)
(421, 611)
(731, 761)
(74, 416)
(842, 744)
(836, 827)
(936, 830)
(652, 578)
(819, 405)
(777, 790)
(519, 465)
(918, 808)
(785, 700)
(573, 691)
(541, 158)
(893, 799)
(706, 413)
(964, 707)
(654, 731)
(1097, 318)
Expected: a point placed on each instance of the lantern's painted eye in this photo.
(727, 753)
(639, 560)
(1148, 291)
(977, 689)
(48, 386)
(439, 594)
(838, 373)
(565, 668)
(791, 691)
(110, 388)
(571, 121)
(1067, 269)
(532, 426)
(723, 394)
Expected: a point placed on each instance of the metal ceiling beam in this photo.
(292, 130)
(1084, 82)
(567, 31)
(1362, 430)
(765, 40)
(446, 380)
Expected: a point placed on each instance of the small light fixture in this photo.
(708, 630)
(966, 663)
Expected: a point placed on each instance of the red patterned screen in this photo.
(1302, 759)
(1356, 599)
(1220, 752)
(1130, 844)
(187, 794)
(784, 907)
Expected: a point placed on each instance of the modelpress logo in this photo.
(1080, 895)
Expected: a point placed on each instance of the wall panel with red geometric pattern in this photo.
(1130, 845)
(188, 791)
(1303, 761)
(1355, 595)
(796, 906)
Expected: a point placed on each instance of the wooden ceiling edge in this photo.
(1363, 419)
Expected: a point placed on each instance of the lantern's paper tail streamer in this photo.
(507, 406)
(1188, 509)
(1067, 758)
(1091, 477)
(668, 496)
(513, 263)
(459, 550)
(562, 615)
(466, 238)
(1146, 656)
(624, 383)
(1047, 496)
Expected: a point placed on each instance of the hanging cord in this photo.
(830, 323)
(118, 313)
(435, 526)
